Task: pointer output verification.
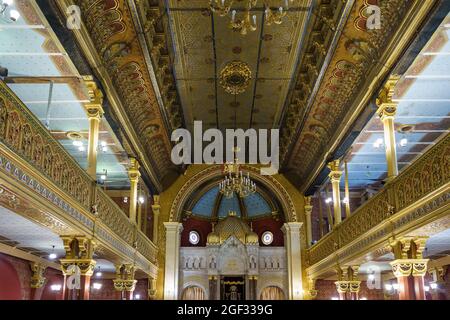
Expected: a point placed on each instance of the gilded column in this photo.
(292, 238)
(409, 267)
(386, 111)
(37, 280)
(312, 292)
(94, 112)
(77, 267)
(347, 193)
(348, 284)
(156, 207)
(335, 176)
(134, 175)
(308, 212)
(172, 259)
(125, 283)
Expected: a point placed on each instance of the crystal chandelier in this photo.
(247, 22)
(235, 181)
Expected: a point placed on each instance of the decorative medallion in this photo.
(235, 77)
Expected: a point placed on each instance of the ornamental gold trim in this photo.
(235, 77)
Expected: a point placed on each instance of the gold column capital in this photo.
(133, 170)
(37, 275)
(308, 205)
(78, 247)
(407, 267)
(94, 107)
(387, 92)
(336, 173)
(342, 286)
(86, 266)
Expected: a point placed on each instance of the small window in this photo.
(194, 237)
(267, 238)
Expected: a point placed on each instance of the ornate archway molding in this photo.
(213, 172)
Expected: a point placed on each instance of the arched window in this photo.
(193, 293)
(272, 293)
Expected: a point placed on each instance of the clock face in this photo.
(267, 238)
(194, 238)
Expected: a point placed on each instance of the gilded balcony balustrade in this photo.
(34, 162)
(420, 194)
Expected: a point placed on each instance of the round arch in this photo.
(272, 293)
(214, 172)
(193, 292)
(10, 288)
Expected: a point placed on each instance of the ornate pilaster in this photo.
(37, 280)
(77, 267)
(252, 284)
(124, 281)
(409, 267)
(156, 207)
(172, 261)
(335, 177)
(152, 291)
(292, 237)
(134, 175)
(312, 292)
(94, 112)
(387, 109)
(213, 283)
(308, 212)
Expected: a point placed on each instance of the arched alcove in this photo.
(10, 288)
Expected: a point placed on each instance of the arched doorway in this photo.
(10, 288)
(193, 293)
(272, 293)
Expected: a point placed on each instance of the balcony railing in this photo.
(429, 174)
(27, 139)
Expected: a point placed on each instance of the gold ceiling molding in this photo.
(359, 62)
(112, 30)
(235, 77)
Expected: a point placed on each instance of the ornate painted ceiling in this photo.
(204, 44)
(310, 76)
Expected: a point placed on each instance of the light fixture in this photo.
(81, 148)
(55, 287)
(104, 175)
(433, 285)
(328, 200)
(377, 144)
(6, 13)
(235, 181)
(403, 142)
(395, 286)
(97, 285)
(98, 273)
(388, 286)
(137, 296)
(363, 298)
(103, 144)
(52, 256)
(77, 143)
(141, 199)
(125, 200)
(371, 277)
(247, 21)
(345, 200)
(335, 298)
(426, 288)
(14, 15)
